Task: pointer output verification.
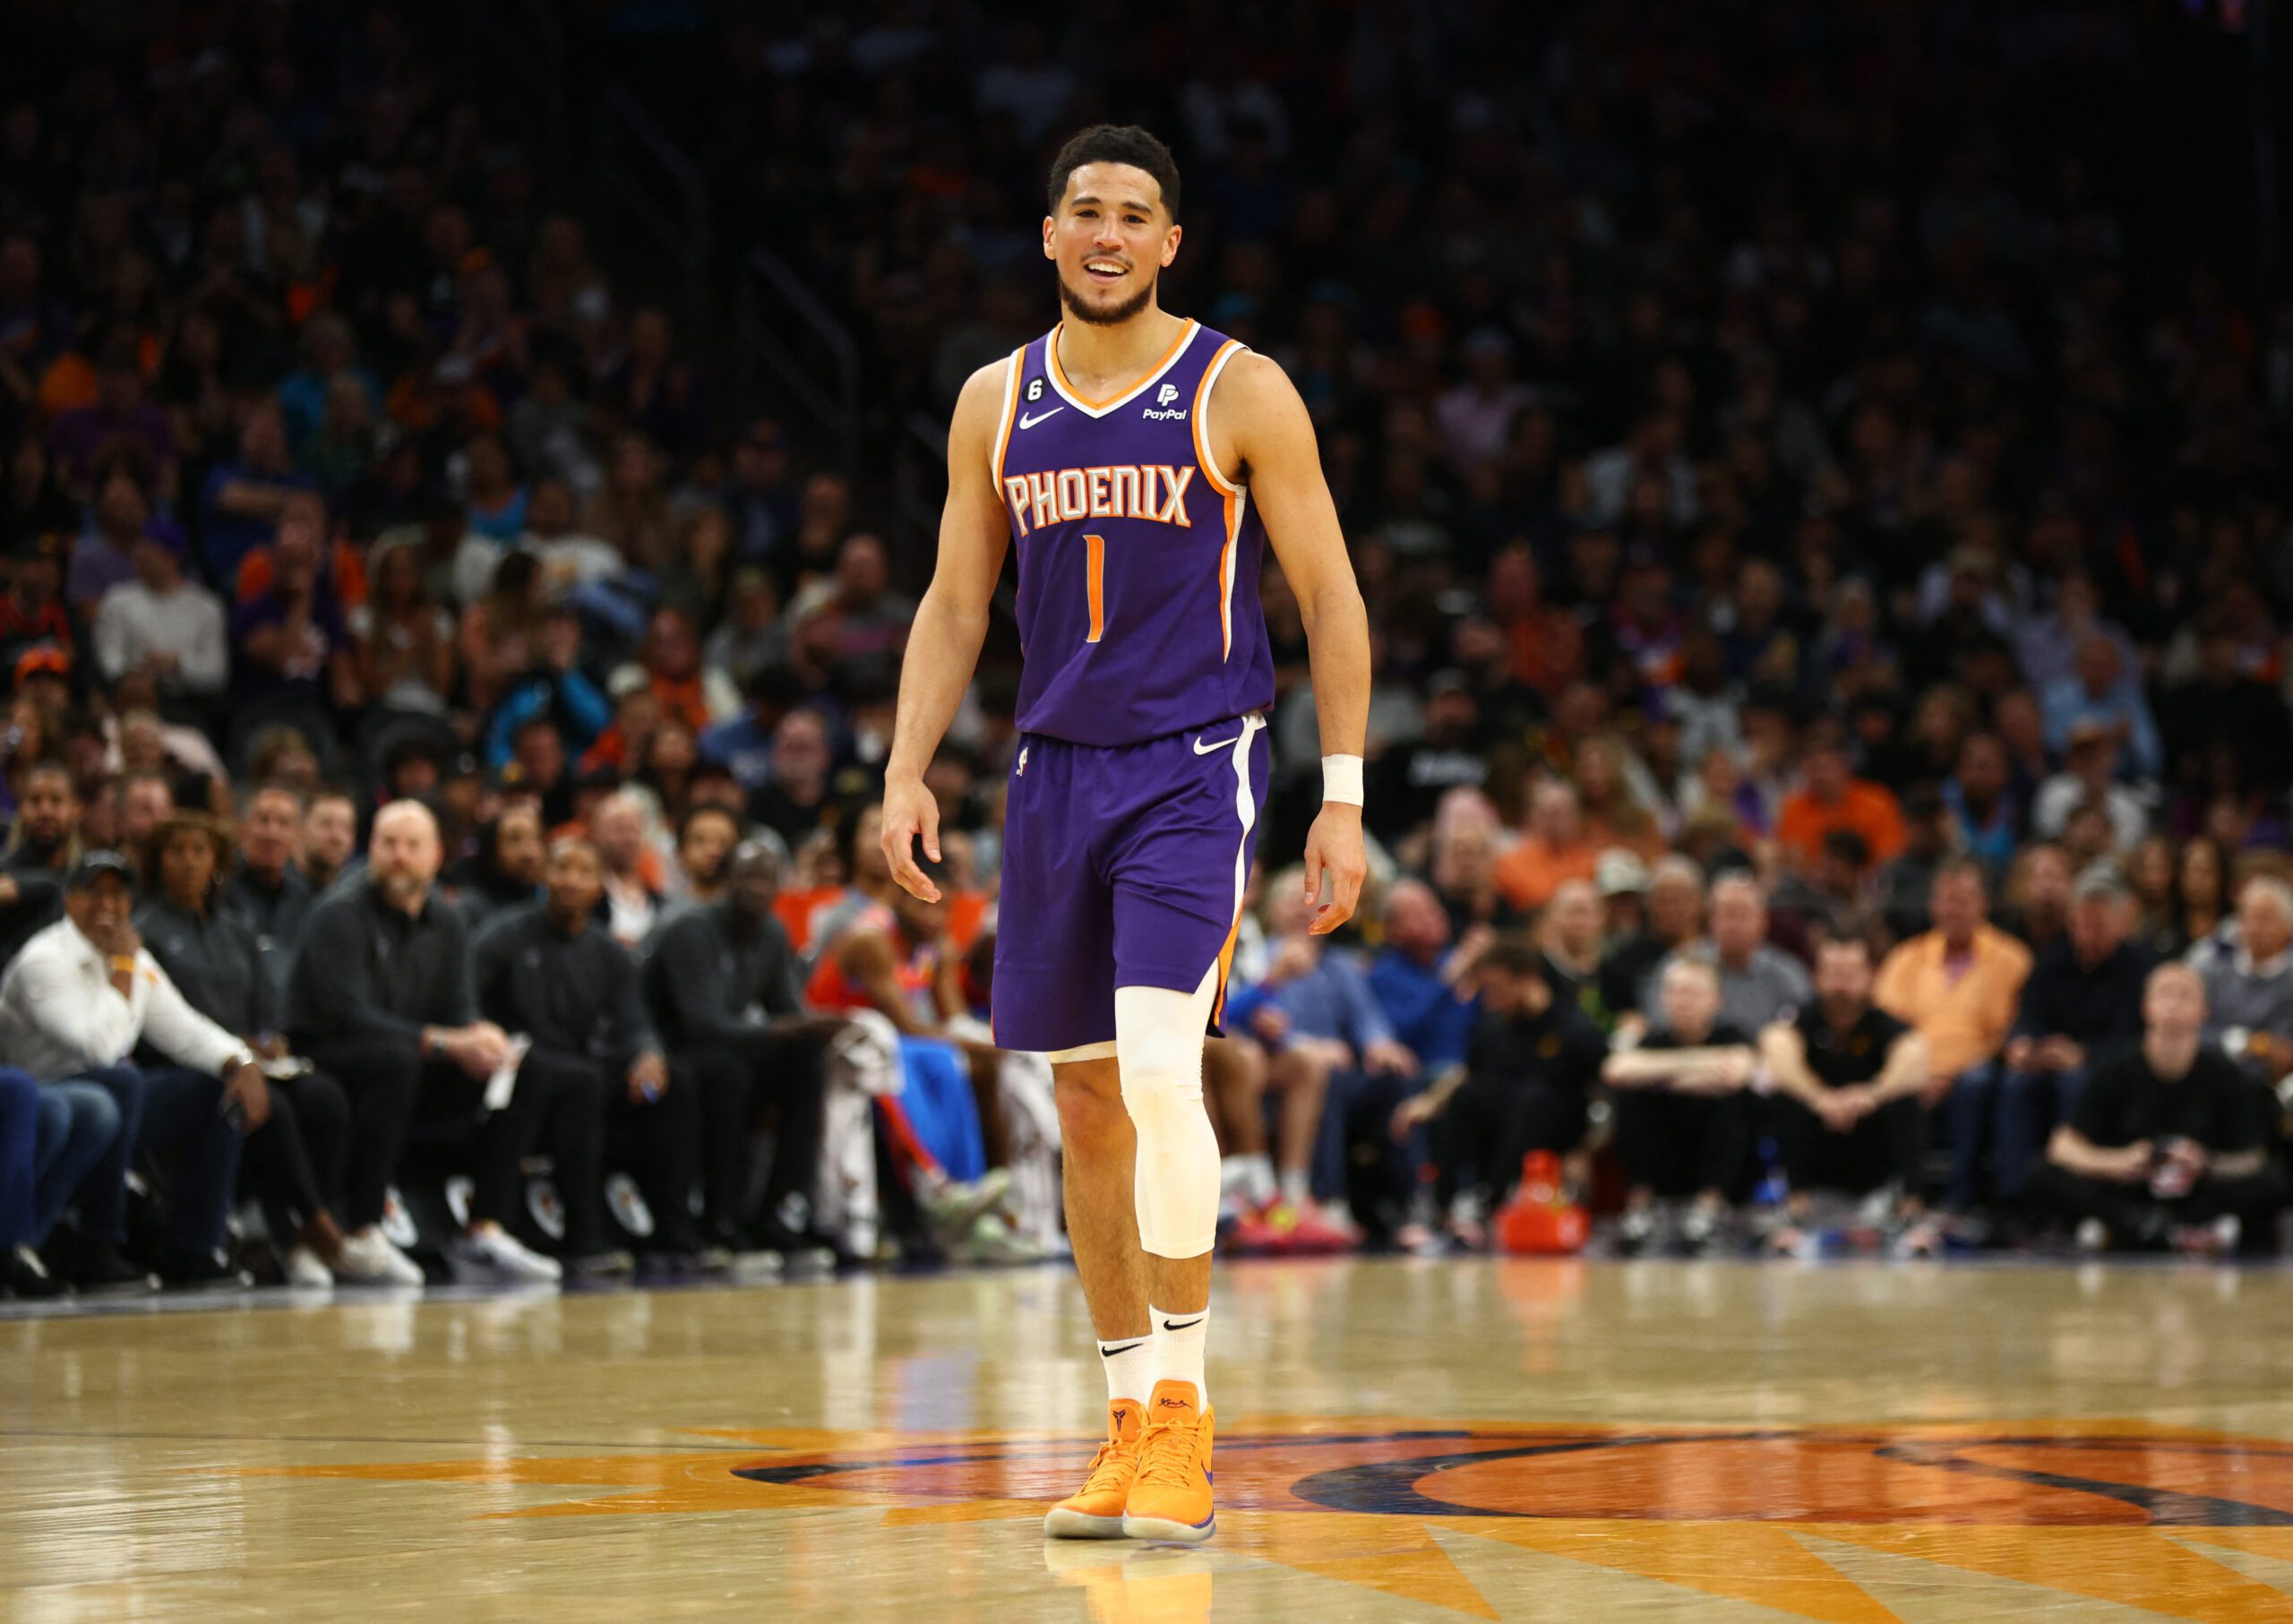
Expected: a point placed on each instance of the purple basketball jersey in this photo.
(1138, 561)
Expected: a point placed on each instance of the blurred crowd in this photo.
(1817, 472)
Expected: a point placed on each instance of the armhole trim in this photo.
(1202, 392)
(1010, 416)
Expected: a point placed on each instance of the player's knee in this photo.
(1162, 1079)
(1091, 1111)
(1157, 1095)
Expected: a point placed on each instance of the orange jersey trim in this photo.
(1058, 372)
(1225, 968)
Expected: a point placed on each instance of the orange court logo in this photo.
(1824, 1523)
(2072, 1475)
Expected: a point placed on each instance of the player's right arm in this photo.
(951, 625)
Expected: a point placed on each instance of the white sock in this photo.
(1179, 1342)
(1129, 1364)
(1297, 1187)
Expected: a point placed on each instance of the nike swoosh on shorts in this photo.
(1202, 749)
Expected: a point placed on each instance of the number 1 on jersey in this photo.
(1098, 552)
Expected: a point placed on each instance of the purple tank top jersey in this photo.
(1138, 563)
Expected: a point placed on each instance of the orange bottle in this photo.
(1541, 1218)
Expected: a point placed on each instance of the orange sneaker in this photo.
(1170, 1498)
(1096, 1512)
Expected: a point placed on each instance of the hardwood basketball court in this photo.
(1531, 1439)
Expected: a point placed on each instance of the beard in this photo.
(1099, 316)
(400, 890)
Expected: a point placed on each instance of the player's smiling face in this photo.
(1110, 239)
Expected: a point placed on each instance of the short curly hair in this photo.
(1109, 143)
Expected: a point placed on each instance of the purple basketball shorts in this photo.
(1123, 866)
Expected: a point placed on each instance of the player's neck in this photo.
(1114, 353)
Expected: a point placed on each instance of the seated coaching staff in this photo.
(380, 1000)
(721, 980)
(548, 971)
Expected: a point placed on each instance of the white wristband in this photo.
(1342, 779)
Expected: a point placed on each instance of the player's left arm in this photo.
(1261, 429)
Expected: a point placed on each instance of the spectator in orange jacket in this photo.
(1831, 797)
(1554, 849)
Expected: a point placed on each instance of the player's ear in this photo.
(1171, 245)
(1050, 224)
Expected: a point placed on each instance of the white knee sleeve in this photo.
(1158, 1051)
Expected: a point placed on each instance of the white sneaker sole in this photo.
(1060, 1524)
(959, 1212)
(1161, 1528)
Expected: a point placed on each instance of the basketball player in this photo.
(1140, 464)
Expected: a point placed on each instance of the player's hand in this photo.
(1334, 846)
(910, 811)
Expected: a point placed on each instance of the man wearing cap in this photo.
(44, 676)
(1620, 881)
(75, 1004)
(722, 982)
(2083, 999)
(160, 623)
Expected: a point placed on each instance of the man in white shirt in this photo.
(73, 1005)
(163, 625)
